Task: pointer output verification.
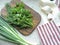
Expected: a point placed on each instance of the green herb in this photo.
(19, 16)
(10, 33)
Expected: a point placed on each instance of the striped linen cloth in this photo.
(58, 3)
(49, 34)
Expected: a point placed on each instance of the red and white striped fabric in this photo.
(58, 4)
(49, 34)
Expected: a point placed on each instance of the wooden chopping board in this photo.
(36, 18)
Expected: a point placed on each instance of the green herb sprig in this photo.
(19, 16)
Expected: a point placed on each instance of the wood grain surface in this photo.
(36, 18)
